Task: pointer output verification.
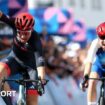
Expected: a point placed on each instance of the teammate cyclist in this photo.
(26, 53)
(95, 64)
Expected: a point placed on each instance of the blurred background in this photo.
(66, 29)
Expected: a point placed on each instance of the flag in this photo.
(79, 31)
(17, 6)
(4, 6)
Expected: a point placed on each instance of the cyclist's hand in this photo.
(40, 86)
(40, 90)
(84, 83)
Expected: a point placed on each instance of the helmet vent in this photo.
(21, 22)
(24, 17)
(30, 23)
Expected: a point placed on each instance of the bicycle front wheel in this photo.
(21, 103)
(101, 101)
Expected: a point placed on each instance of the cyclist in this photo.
(95, 64)
(26, 53)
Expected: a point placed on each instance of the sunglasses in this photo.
(24, 32)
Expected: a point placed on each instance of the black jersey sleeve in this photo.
(39, 52)
(8, 20)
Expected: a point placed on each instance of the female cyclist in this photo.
(95, 63)
(26, 53)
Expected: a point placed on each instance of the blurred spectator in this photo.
(5, 43)
(64, 69)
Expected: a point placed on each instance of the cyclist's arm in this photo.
(6, 19)
(40, 63)
(91, 56)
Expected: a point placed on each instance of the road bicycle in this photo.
(39, 86)
(101, 99)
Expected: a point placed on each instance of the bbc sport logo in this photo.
(7, 93)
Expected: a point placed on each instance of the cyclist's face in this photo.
(102, 43)
(23, 36)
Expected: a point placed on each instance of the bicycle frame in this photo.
(22, 88)
(22, 91)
